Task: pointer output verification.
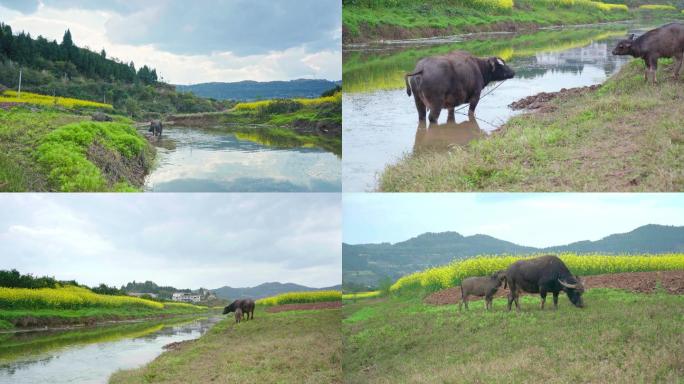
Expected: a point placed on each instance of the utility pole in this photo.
(19, 91)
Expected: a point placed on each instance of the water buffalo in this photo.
(246, 307)
(665, 41)
(453, 79)
(156, 127)
(481, 286)
(238, 315)
(542, 275)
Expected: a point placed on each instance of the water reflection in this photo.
(441, 137)
(90, 355)
(193, 160)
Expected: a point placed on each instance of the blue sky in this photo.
(198, 41)
(185, 240)
(527, 219)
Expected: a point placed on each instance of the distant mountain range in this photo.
(265, 290)
(254, 90)
(367, 264)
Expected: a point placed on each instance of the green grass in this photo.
(623, 336)
(46, 149)
(627, 137)
(285, 347)
(411, 18)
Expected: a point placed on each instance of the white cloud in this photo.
(151, 34)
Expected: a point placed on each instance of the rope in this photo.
(483, 96)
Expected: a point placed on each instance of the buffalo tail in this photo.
(406, 79)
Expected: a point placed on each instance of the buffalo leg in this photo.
(678, 66)
(465, 301)
(543, 298)
(452, 115)
(473, 104)
(653, 69)
(420, 107)
(517, 301)
(434, 114)
(510, 299)
(555, 300)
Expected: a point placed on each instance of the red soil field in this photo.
(299, 307)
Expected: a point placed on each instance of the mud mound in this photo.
(540, 101)
(642, 282)
(299, 307)
(177, 345)
(116, 167)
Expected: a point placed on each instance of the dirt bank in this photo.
(306, 306)
(642, 282)
(540, 101)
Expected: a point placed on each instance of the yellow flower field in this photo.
(450, 275)
(34, 98)
(301, 297)
(361, 295)
(254, 105)
(68, 298)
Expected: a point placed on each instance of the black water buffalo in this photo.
(246, 306)
(542, 275)
(447, 81)
(481, 286)
(665, 41)
(156, 127)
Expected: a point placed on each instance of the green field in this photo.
(285, 347)
(52, 149)
(627, 136)
(369, 20)
(301, 297)
(619, 337)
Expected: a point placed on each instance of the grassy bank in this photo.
(285, 347)
(626, 136)
(451, 275)
(23, 307)
(373, 20)
(47, 148)
(315, 122)
(301, 297)
(365, 21)
(626, 337)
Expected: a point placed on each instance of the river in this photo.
(380, 123)
(200, 160)
(90, 355)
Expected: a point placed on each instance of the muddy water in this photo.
(89, 355)
(196, 160)
(380, 123)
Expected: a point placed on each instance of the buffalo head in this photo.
(230, 308)
(498, 70)
(574, 288)
(624, 47)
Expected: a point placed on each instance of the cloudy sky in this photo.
(528, 219)
(198, 41)
(183, 240)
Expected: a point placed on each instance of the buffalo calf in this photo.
(481, 286)
(665, 41)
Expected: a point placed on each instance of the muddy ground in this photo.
(642, 282)
(299, 307)
(540, 101)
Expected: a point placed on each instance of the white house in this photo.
(186, 297)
